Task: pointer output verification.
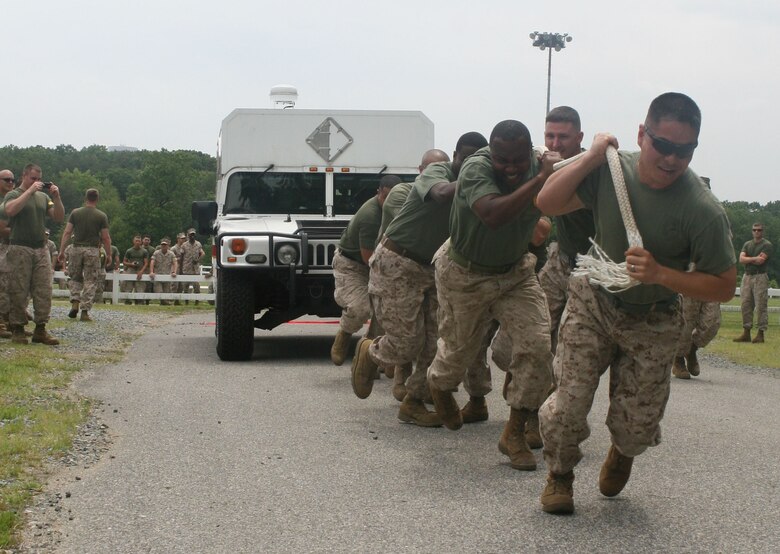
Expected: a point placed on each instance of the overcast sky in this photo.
(162, 74)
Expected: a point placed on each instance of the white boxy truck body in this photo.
(288, 182)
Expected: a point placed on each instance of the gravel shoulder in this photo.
(109, 337)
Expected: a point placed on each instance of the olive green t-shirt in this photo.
(470, 237)
(753, 249)
(423, 225)
(114, 254)
(88, 223)
(136, 256)
(28, 226)
(573, 230)
(679, 224)
(362, 230)
(392, 205)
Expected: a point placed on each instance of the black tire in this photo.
(235, 316)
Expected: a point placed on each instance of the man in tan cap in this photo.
(191, 254)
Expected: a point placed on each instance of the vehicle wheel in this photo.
(235, 316)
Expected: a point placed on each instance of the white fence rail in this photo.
(203, 282)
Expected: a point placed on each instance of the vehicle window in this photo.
(352, 190)
(275, 193)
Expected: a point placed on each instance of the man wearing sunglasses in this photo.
(755, 284)
(6, 186)
(633, 332)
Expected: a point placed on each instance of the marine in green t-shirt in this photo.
(359, 238)
(759, 247)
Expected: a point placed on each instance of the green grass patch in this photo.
(746, 353)
(39, 416)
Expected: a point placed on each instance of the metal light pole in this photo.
(549, 41)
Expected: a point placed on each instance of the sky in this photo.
(163, 74)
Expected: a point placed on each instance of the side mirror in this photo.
(204, 212)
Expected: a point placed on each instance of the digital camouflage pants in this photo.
(30, 277)
(638, 349)
(351, 292)
(469, 302)
(702, 321)
(403, 298)
(754, 292)
(554, 278)
(84, 272)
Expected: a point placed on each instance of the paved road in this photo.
(278, 455)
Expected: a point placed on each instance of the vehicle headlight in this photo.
(287, 254)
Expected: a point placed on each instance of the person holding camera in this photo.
(28, 256)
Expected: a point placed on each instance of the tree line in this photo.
(142, 192)
(152, 192)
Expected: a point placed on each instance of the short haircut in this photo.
(31, 167)
(675, 106)
(148, 237)
(92, 195)
(137, 237)
(564, 114)
(510, 129)
(758, 224)
(472, 139)
(389, 181)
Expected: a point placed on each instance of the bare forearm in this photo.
(497, 210)
(700, 286)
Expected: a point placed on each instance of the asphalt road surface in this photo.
(278, 455)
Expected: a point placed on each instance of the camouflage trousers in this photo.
(469, 301)
(4, 304)
(351, 292)
(638, 349)
(30, 276)
(403, 298)
(84, 272)
(702, 321)
(754, 293)
(132, 286)
(554, 278)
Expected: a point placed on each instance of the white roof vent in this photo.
(284, 96)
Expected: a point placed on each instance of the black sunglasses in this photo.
(667, 147)
(7, 179)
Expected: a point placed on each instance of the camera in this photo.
(47, 185)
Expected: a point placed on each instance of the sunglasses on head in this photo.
(667, 147)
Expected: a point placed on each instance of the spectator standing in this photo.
(6, 185)
(136, 260)
(112, 265)
(164, 262)
(191, 254)
(89, 228)
(755, 284)
(28, 255)
(177, 251)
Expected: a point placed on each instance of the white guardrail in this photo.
(204, 282)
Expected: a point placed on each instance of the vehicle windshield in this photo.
(251, 192)
(351, 190)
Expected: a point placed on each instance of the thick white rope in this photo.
(596, 265)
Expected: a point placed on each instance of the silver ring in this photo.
(633, 268)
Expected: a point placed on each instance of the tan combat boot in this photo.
(692, 361)
(74, 309)
(338, 352)
(41, 336)
(744, 337)
(532, 435)
(678, 368)
(475, 410)
(512, 442)
(759, 337)
(85, 316)
(414, 411)
(389, 372)
(17, 334)
(363, 370)
(558, 494)
(615, 472)
(447, 407)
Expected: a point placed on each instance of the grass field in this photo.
(759, 355)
